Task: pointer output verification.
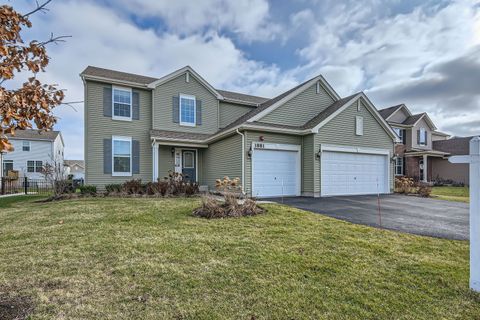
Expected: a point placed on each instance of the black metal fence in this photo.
(27, 186)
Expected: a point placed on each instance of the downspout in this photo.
(243, 160)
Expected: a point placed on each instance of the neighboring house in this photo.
(443, 169)
(416, 153)
(306, 141)
(33, 149)
(76, 168)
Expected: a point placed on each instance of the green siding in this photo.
(162, 109)
(253, 136)
(166, 161)
(301, 108)
(230, 112)
(308, 158)
(99, 127)
(222, 158)
(341, 131)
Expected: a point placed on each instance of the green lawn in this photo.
(460, 194)
(150, 259)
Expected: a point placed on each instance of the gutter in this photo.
(243, 160)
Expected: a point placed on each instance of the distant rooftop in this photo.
(34, 134)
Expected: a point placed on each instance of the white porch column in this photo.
(475, 214)
(425, 168)
(155, 159)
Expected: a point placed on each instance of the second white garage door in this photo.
(344, 173)
(275, 173)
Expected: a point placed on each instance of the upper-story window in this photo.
(122, 103)
(26, 146)
(34, 166)
(399, 133)
(187, 110)
(122, 156)
(422, 137)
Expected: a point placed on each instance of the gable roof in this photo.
(330, 110)
(241, 97)
(34, 134)
(454, 146)
(387, 112)
(270, 105)
(413, 119)
(101, 74)
(107, 74)
(69, 163)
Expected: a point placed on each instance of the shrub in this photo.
(63, 187)
(113, 188)
(404, 185)
(88, 190)
(231, 206)
(133, 186)
(424, 190)
(191, 189)
(156, 188)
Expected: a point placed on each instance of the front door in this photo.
(188, 165)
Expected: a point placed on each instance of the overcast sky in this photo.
(425, 54)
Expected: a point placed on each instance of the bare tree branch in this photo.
(40, 7)
(53, 39)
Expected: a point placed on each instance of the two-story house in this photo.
(33, 149)
(305, 141)
(415, 153)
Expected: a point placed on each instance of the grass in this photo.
(460, 194)
(8, 202)
(150, 259)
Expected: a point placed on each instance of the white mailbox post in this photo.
(474, 160)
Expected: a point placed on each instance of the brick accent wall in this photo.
(412, 168)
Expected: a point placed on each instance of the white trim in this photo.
(179, 72)
(280, 147)
(352, 149)
(295, 93)
(187, 97)
(121, 174)
(370, 107)
(243, 160)
(121, 118)
(181, 144)
(359, 125)
(429, 121)
(114, 81)
(359, 150)
(155, 161)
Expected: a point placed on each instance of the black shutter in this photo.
(135, 156)
(107, 101)
(135, 105)
(198, 116)
(107, 156)
(404, 163)
(176, 109)
(404, 139)
(426, 137)
(418, 137)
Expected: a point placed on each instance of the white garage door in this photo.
(353, 173)
(275, 173)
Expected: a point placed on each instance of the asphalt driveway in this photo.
(429, 217)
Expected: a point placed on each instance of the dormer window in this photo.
(187, 110)
(122, 103)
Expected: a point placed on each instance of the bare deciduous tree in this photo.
(33, 101)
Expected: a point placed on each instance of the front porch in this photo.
(418, 164)
(177, 152)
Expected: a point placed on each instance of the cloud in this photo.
(250, 19)
(106, 38)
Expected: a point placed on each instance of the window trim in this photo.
(424, 143)
(401, 166)
(190, 97)
(121, 118)
(29, 146)
(4, 171)
(35, 166)
(399, 133)
(121, 174)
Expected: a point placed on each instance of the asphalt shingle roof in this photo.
(73, 162)
(413, 119)
(328, 111)
(34, 135)
(179, 135)
(387, 112)
(235, 96)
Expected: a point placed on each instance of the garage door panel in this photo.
(346, 173)
(275, 173)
